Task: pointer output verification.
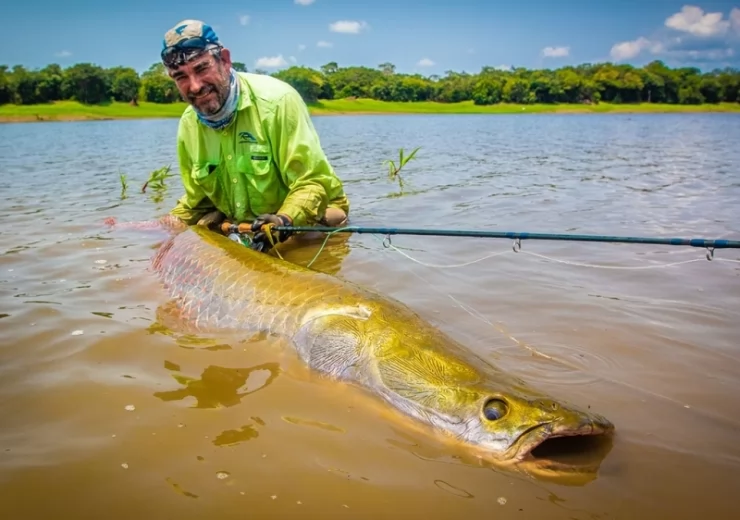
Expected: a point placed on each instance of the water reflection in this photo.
(234, 437)
(220, 386)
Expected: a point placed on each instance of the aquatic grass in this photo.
(394, 171)
(157, 182)
(124, 184)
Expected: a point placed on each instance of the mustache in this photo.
(206, 89)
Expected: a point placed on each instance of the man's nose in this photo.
(195, 83)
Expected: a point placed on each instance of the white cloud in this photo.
(693, 20)
(301, 47)
(323, 44)
(425, 62)
(244, 19)
(629, 49)
(347, 26)
(304, 2)
(292, 59)
(273, 62)
(555, 52)
(702, 37)
(504, 67)
(735, 19)
(63, 54)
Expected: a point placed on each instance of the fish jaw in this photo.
(588, 425)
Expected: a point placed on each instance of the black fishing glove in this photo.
(261, 239)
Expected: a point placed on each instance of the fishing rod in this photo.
(709, 244)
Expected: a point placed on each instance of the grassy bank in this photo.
(370, 106)
(73, 111)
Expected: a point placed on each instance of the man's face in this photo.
(204, 81)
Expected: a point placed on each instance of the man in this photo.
(246, 145)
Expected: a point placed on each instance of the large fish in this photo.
(351, 334)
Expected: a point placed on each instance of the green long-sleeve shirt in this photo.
(268, 160)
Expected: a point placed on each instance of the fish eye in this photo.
(494, 409)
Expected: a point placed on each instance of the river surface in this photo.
(106, 412)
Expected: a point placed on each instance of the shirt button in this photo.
(228, 157)
(238, 204)
(234, 179)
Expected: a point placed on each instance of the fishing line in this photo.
(577, 264)
(477, 315)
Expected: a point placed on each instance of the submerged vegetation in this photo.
(157, 181)
(88, 91)
(394, 172)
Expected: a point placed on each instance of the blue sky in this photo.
(428, 37)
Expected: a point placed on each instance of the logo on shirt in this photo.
(246, 137)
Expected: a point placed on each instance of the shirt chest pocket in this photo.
(208, 177)
(255, 164)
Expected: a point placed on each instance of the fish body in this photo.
(352, 334)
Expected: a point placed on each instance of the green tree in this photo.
(157, 86)
(584, 83)
(308, 82)
(125, 84)
(388, 68)
(86, 83)
(7, 89)
(50, 86)
(329, 68)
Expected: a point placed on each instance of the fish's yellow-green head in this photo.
(433, 378)
(509, 422)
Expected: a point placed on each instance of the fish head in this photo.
(497, 416)
(515, 425)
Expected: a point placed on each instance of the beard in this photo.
(210, 98)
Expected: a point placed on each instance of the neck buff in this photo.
(226, 113)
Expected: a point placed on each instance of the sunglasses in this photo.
(186, 50)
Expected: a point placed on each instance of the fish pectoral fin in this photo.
(330, 343)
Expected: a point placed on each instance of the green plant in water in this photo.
(157, 179)
(394, 171)
(124, 184)
(157, 182)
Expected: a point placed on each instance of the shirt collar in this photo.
(245, 94)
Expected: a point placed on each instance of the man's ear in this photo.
(226, 57)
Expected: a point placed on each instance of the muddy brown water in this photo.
(105, 412)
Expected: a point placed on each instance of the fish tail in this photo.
(168, 223)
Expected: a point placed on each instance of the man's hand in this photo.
(269, 220)
(212, 220)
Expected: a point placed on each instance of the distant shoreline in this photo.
(73, 111)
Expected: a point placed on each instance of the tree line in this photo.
(587, 83)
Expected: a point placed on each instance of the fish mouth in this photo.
(561, 450)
